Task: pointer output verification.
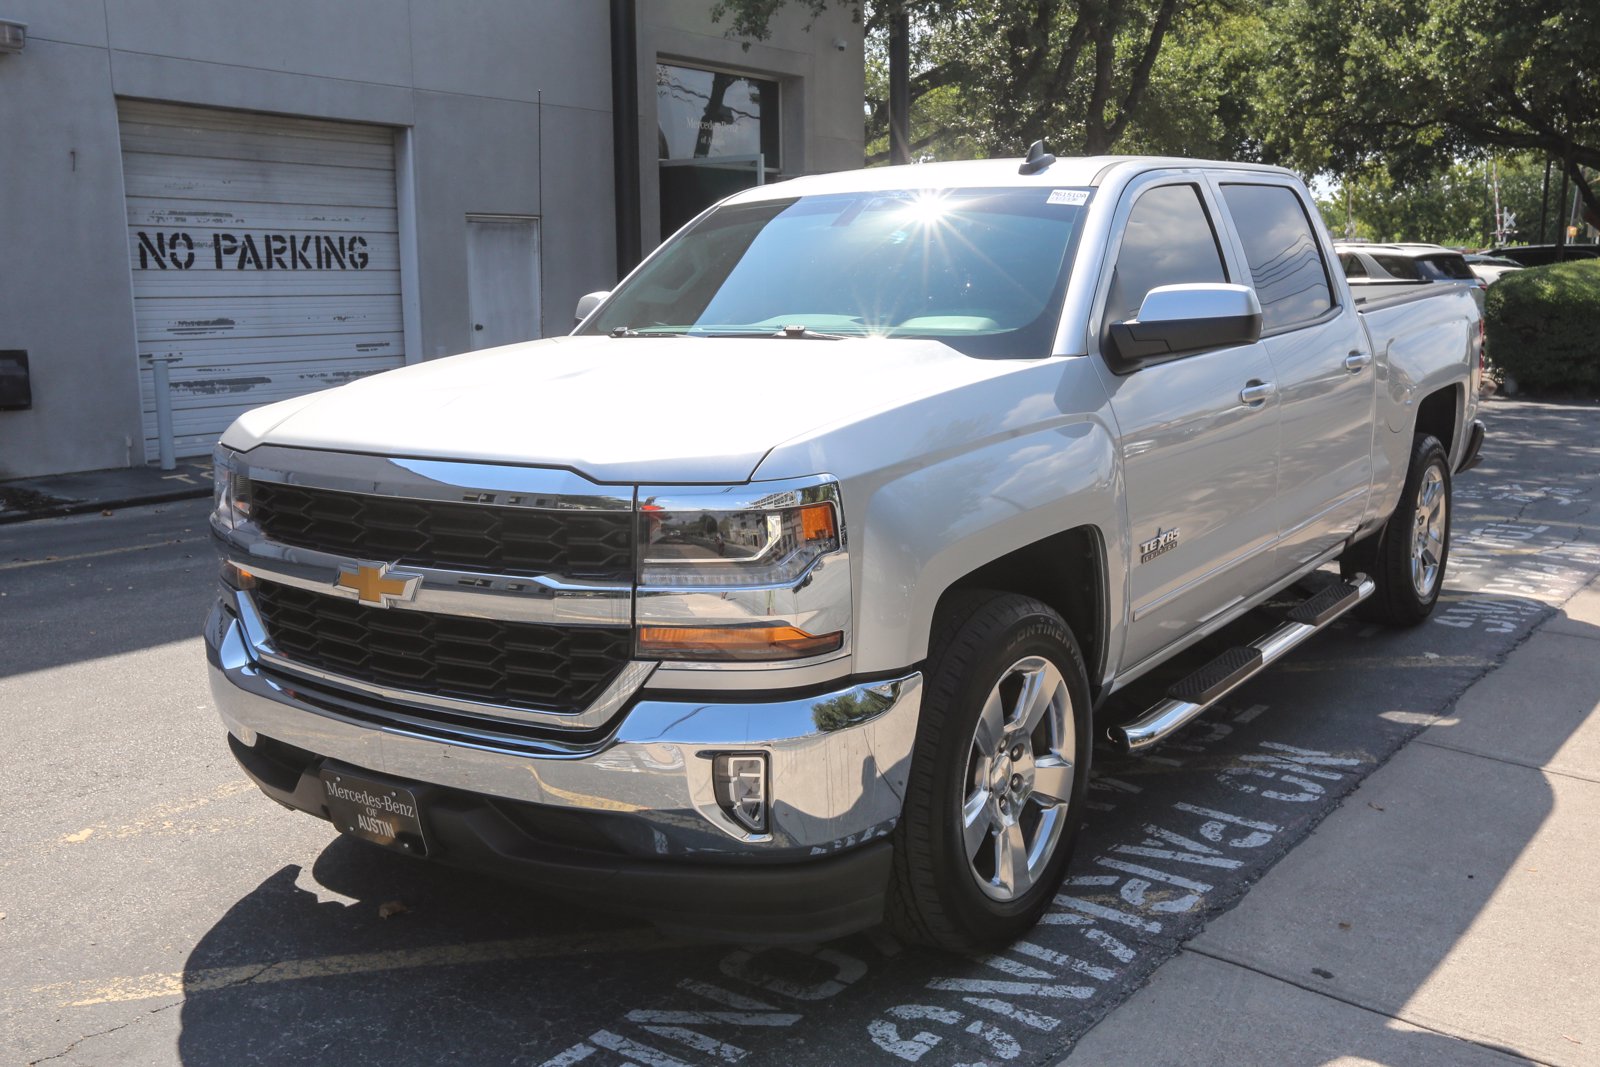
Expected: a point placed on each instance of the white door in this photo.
(265, 258)
(502, 279)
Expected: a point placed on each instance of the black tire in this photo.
(1387, 556)
(979, 638)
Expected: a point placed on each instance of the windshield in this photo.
(981, 269)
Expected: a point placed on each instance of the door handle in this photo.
(1256, 393)
(1356, 360)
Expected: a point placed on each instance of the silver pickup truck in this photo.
(780, 598)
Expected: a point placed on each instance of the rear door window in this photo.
(1286, 265)
(1402, 267)
(1353, 267)
(1169, 240)
(1440, 267)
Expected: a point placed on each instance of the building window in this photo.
(717, 133)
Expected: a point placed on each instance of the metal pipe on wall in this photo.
(162, 386)
(625, 131)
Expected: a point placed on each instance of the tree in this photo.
(1417, 85)
(992, 76)
(1455, 207)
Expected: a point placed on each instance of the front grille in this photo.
(520, 664)
(432, 533)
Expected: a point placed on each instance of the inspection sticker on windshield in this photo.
(1068, 196)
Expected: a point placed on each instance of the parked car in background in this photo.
(1488, 267)
(1544, 255)
(1403, 266)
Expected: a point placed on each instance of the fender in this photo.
(944, 493)
(1419, 354)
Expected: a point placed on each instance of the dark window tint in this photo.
(1286, 266)
(1438, 268)
(1353, 267)
(1169, 240)
(1402, 267)
(1530, 257)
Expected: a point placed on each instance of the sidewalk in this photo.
(1448, 913)
(72, 494)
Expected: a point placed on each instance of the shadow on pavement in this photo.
(473, 971)
(1447, 893)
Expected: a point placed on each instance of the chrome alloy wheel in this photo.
(1428, 532)
(1020, 769)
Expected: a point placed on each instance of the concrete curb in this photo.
(81, 507)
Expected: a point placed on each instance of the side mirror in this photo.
(588, 302)
(1180, 320)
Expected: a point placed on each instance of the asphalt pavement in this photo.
(1330, 868)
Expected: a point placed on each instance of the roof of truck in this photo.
(1065, 172)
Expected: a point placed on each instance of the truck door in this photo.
(1199, 433)
(1323, 364)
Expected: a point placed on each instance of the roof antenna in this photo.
(1038, 159)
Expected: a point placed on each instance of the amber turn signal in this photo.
(817, 523)
(236, 576)
(735, 642)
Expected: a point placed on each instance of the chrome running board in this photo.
(1192, 695)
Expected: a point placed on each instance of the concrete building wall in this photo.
(821, 85)
(499, 106)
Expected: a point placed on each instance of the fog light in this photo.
(741, 788)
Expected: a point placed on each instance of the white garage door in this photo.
(265, 256)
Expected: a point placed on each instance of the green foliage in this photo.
(1418, 85)
(989, 77)
(1542, 326)
(1455, 207)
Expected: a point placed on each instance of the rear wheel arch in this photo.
(1439, 415)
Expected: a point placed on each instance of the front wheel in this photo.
(1407, 557)
(998, 774)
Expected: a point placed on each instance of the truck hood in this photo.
(635, 409)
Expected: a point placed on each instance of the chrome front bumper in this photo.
(838, 761)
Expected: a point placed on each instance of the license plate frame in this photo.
(373, 809)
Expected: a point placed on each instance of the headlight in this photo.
(724, 548)
(755, 573)
(230, 489)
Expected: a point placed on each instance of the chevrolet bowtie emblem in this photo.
(376, 585)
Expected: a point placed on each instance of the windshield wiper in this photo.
(648, 331)
(807, 333)
(794, 332)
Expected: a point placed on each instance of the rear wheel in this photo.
(998, 775)
(1407, 557)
